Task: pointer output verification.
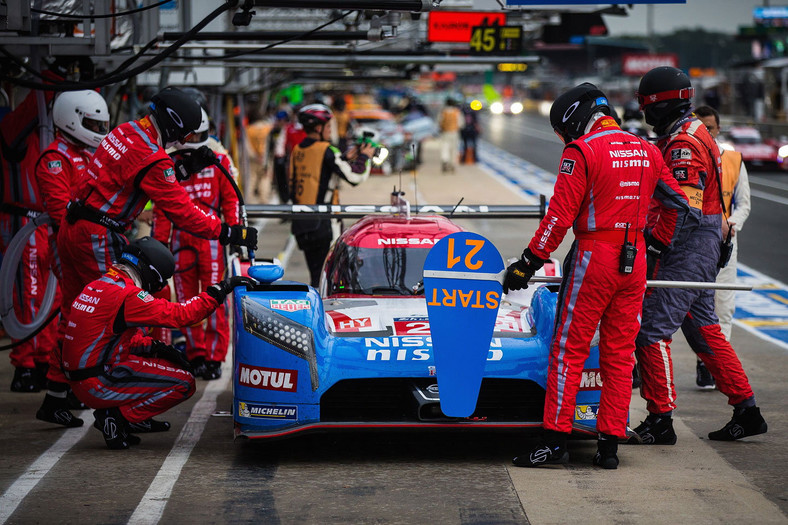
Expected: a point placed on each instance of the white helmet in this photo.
(200, 136)
(83, 115)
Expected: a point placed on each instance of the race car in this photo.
(357, 354)
(755, 151)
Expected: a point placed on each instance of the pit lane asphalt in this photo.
(400, 478)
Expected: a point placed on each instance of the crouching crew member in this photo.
(605, 181)
(110, 364)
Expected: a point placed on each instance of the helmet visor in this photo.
(97, 126)
(197, 137)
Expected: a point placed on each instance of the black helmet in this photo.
(152, 260)
(197, 95)
(314, 115)
(571, 112)
(177, 114)
(664, 95)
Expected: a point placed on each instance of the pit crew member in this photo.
(129, 168)
(111, 366)
(200, 262)
(81, 120)
(20, 201)
(316, 169)
(693, 158)
(605, 181)
(736, 196)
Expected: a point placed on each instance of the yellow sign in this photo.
(510, 68)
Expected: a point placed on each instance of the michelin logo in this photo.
(289, 412)
(586, 412)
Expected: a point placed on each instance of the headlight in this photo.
(783, 151)
(476, 105)
(516, 108)
(281, 332)
(496, 108)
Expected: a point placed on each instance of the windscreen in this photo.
(391, 270)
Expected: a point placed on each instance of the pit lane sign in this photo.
(498, 40)
(456, 26)
(463, 292)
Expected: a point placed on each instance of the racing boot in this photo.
(213, 370)
(41, 375)
(703, 377)
(746, 422)
(656, 430)
(148, 426)
(198, 366)
(110, 422)
(25, 380)
(73, 401)
(55, 410)
(551, 450)
(605, 456)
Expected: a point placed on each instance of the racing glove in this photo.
(520, 272)
(220, 290)
(239, 236)
(169, 353)
(654, 251)
(191, 161)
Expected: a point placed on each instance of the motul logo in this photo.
(592, 380)
(268, 378)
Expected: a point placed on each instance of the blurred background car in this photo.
(388, 132)
(506, 107)
(755, 151)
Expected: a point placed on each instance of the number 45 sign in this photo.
(463, 290)
(496, 40)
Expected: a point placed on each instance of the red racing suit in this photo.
(20, 200)
(129, 168)
(605, 181)
(103, 347)
(694, 161)
(59, 168)
(201, 262)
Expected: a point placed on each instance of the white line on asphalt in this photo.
(760, 181)
(40, 467)
(773, 198)
(151, 508)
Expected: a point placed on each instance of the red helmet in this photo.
(314, 114)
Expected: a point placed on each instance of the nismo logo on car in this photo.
(372, 208)
(413, 348)
(400, 241)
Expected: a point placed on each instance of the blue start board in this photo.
(462, 286)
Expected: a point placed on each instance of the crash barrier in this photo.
(13, 256)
